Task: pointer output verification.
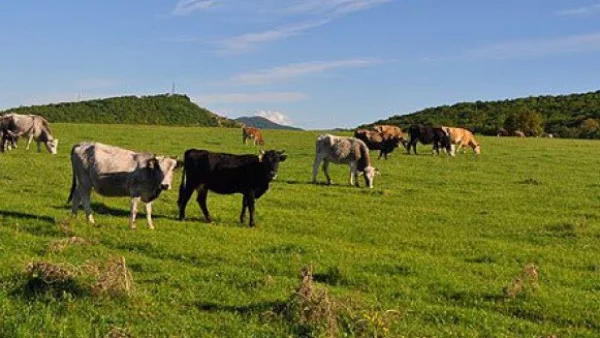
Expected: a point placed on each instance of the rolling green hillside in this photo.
(158, 109)
(263, 123)
(440, 247)
(574, 115)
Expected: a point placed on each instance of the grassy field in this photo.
(432, 251)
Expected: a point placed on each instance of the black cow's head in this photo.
(271, 159)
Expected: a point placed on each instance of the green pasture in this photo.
(426, 253)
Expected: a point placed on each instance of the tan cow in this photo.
(461, 138)
(252, 133)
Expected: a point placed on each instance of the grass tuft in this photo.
(525, 281)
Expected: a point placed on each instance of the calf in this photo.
(429, 135)
(252, 133)
(343, 150)
(223, 173)
(113, 171)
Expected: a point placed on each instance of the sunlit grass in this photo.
(436, 240)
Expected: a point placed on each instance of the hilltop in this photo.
(263, 123)
(572, 115)
(158, 109)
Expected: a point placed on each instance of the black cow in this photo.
(429, 135)
(222, 173)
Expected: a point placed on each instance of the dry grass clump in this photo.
(48, 272)
(114, 280)
(526, 280)
(44, 277)
(117, 332)
(313, 313)
(310, 309)
(61, 244)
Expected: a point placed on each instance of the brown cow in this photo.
(519, 133)
(375, 140)
(252, 133)
(461, 138)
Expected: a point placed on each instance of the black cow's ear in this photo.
(282, 157)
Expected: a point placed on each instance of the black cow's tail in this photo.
(74, 180)
(182, 185)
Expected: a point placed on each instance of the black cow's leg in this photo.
(380, 154)
(201, 199)
(250, 201)
(244, 205)
(185, 193)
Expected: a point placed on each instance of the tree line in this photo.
(571, 116)
(158, 109)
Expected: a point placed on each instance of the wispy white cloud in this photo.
(259, 97)
(275, 116)
(537, 48)
(300, 15)
(581, 11)
(186, 7)
(296, 70)
(245, 42)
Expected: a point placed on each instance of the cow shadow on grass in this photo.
(25, 216)
(103, 209)
(38, 225)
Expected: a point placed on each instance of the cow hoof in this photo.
(151, 227)
(208, 220)
(91, 220)
(252, 225)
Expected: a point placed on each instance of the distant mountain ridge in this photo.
(263, 123)
(165, 109)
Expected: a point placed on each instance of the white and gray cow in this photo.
(113, 171)
(344, 150)
(33, 127)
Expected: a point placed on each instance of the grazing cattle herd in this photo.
(113, 171)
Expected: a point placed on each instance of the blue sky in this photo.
(311, 63)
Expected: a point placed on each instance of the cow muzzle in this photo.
(165, 186)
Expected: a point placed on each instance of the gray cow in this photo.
(30, 126)
(344, 150)
(113, 171)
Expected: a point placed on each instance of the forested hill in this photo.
(263, 123)
(573, 115)
(159, 109)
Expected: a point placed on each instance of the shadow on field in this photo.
(22, 215)
(103, 209)
(240, 309)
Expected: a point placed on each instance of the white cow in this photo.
(33, 127)
(344, 150)
(113, 171)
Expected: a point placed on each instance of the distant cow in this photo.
(375, 141)
(32, 127)
(223, 173)
(502, 132)
(113, 171)
(429, 135)
(519, 133)
(461, 138)
(252, 133)
(390, 131)
(343, 150)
